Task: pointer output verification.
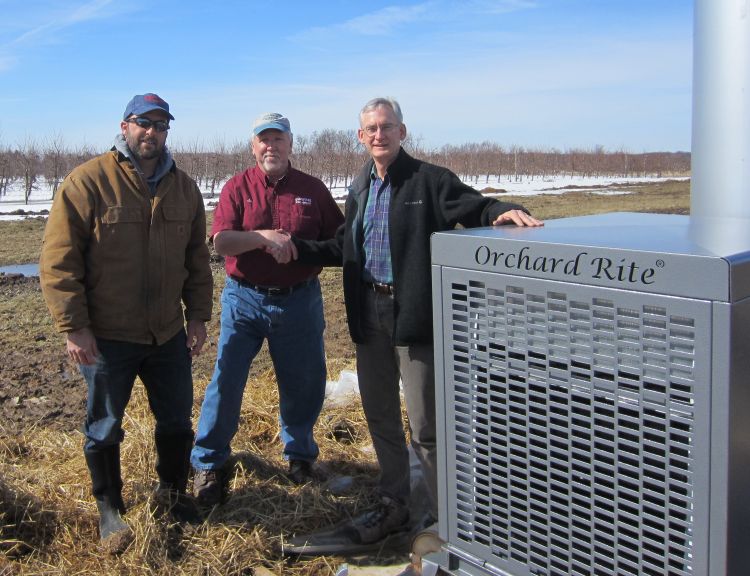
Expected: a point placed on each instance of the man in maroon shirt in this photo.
(258, 210)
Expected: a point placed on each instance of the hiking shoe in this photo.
(208, 486)
(300, 472)
(387, 518)
(384, 527)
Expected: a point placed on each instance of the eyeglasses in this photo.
(145, 123)
(373, 129)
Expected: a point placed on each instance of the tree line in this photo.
(335, 156)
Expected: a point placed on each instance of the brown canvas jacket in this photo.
(122, 263)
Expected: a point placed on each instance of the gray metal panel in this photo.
(668, 233)
(645, 252)
(578, 421)
(442, 497)
(739, 440)
(730, 441)
(720, 446)
(739, 273)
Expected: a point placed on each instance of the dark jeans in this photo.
(166, 374)
(380, 366)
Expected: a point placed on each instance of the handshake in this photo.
(278, 243)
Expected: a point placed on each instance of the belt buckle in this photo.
(381, 288)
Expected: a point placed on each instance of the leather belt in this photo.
(380, 288)
(270, 290)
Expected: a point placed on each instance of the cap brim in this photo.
(270, 126)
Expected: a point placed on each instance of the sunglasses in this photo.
(145, 123)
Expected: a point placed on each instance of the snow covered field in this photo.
(547, 185)
(12, 200)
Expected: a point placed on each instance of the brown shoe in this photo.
(208, 486)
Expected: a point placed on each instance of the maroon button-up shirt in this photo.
(298, 203)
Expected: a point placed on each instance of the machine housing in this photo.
(593, 400)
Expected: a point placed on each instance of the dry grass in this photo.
(26, 240)
(48, 521)
(671, 196)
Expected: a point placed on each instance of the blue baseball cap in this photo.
(271, 121)
(142, 103)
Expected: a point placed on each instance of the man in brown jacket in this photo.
(125, 274)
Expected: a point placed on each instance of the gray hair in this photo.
(377, 102)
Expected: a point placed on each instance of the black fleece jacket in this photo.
(425, 198)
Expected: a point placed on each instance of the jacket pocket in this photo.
(122, 214)
(119, 231)
(176, 219)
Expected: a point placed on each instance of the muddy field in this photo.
(37, 385)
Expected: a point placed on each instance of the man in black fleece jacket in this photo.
(394, 205)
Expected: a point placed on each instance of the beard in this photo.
(144, 148)
(274, 166)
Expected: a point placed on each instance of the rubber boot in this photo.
(106, 480)
(173, 466)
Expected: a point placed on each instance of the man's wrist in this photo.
(77, 330)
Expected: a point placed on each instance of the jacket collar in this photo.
(396, 170)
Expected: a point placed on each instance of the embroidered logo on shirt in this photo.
(412, 202)
(304, 201)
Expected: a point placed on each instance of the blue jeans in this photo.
(166, 374)
(293, 325)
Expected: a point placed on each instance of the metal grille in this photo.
(574, 416)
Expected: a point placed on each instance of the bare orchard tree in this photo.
(413, 144)
(188, 157)
(30, 164)
(350, 155)
(486, 159)
(335, 156)
(83, 153)
(54, 163)
(324, 150)
(217, 166)
(302, 157)
(6, 176)
(241, 156)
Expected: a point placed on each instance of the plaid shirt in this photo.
(376, 240)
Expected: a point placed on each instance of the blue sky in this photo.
(534, 73)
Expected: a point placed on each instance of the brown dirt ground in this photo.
(39, 387)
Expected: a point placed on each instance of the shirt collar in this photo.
(374, 175)
(262, 176)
